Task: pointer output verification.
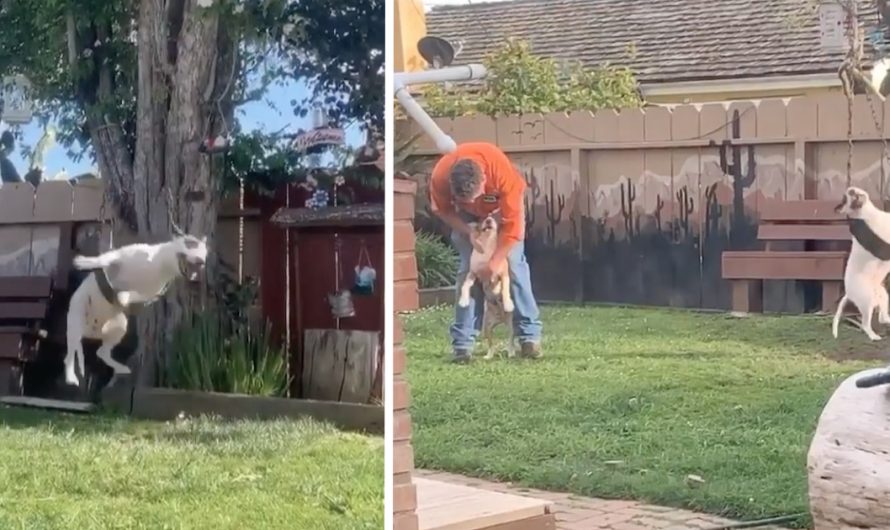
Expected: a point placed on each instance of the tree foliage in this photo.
(520, 82)
(337, 49)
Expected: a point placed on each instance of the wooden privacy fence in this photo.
(637, 205)
(40, 231)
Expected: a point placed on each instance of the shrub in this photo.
(214, 353)
(437, 261)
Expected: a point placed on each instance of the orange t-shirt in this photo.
(503, 188)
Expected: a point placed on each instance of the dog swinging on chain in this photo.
(869, 261)
(136, 274)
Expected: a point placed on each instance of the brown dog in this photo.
(498, 302)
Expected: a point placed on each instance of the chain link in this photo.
(879, 128)
(850, 66)
(846, 83)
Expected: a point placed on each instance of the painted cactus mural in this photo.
(643, 213)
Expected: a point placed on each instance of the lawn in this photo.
(100, 472)
(627, 403)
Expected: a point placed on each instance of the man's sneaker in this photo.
(461, 356)
(530, 350)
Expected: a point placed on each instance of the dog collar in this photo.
(110, 294)
(869, 240)
(105, 288)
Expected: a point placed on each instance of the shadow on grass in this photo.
(32, 418)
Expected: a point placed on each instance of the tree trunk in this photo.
(182, 50)
(848, 464)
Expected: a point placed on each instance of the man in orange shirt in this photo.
(466, 185)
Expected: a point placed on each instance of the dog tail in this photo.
(91, 263)
(881, 378)
(837, 315)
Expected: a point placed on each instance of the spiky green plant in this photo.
(216, 354)
(436, 261)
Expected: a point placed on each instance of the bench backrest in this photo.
(812, 220)
(24, 299)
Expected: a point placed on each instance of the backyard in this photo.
(628, 403)
(103, 472)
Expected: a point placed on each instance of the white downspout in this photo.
(401, 82)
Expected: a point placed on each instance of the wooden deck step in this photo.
(53, 404)
(444, 506)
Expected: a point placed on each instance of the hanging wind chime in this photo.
(315, 143)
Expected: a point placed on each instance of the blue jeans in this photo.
(468, 320)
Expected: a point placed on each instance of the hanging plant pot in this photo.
(365, 273)
(341, 304)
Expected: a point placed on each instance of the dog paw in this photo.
(488, 356)
(464, 301)
(122, 370)
(71, 379)
(874, 336)
(123, 298)
(508, 306)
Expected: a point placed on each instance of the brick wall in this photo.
(404, 298)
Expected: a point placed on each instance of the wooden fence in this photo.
(33, 223)
(636, 205)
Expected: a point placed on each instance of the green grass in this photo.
(626, 403)
(61, 471)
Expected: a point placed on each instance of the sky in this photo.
(270, 114)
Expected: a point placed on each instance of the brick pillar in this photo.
(404, 298)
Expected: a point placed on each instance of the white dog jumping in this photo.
(133, 274)
(869, 261)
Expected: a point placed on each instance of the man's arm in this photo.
(512, 191)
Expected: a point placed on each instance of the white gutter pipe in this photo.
(402, 80)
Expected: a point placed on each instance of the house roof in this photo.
(660, 40)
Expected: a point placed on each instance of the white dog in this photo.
(869, 261)
(498, 301)
(133, 274)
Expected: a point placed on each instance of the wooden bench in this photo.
(24, 305)
(809, 221)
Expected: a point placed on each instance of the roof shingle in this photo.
(673, 40)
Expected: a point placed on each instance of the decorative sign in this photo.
(16, 98)
(832, 26)
(321, 136)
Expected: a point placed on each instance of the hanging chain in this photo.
(846, 83)
(851, 71)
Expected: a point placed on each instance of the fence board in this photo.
(832, 116)
(16, 203)
(657, 124)
(568, 128)
(53, 202)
